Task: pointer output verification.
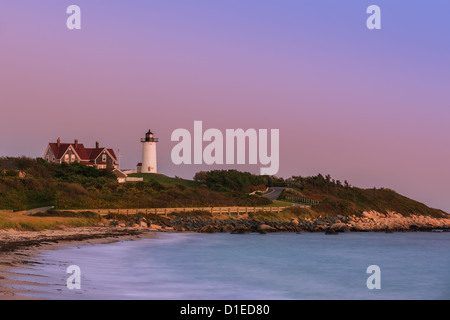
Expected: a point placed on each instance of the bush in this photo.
(11, 173)
(231, 180)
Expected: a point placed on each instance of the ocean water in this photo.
(221, 266)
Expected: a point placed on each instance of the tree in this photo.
(200, 176)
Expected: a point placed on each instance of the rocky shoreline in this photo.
(13, 240)
(19, 247)
(369, 221)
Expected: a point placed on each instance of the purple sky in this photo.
(371, 107)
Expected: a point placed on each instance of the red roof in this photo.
(85, 154)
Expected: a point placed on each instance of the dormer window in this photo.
(104, 157)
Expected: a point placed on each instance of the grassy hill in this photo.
(165, 180)
(338, 198)
(29, 183)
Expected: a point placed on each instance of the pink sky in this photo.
(368, 107)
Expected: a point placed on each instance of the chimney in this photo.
(97, 145)
(76, 143)
(58, 142)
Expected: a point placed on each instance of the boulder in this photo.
(208, 229)
(266, 228)
(114, 223)
(143, 224)
(340, 227)
(240, 230)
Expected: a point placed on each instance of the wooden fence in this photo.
(166, 211)
(301, 200)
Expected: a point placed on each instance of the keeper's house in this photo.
(99, 157)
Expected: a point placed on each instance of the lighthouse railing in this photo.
(149, 140)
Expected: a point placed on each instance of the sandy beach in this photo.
(17, 249)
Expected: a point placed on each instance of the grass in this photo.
(25, 222)
(278, 203)
(74, 186)
(165, 180)
(78, 187)
(282, 216)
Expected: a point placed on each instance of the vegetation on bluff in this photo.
(227, 180)
(337, 198)
(29, 183)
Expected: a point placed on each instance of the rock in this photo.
(340, 227)
(143, 224)
(294, 221)
(208, 229)
(240, 230)
(265, 227)
(329, 231)
(114, 223)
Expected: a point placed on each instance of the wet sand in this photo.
(17, 249)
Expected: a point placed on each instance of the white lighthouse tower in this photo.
(149, 153)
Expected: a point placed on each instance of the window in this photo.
(66, 157)
(72, 158)
(104, 157)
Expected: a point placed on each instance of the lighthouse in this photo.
(149, 153)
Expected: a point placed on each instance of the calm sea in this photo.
(252, 266)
